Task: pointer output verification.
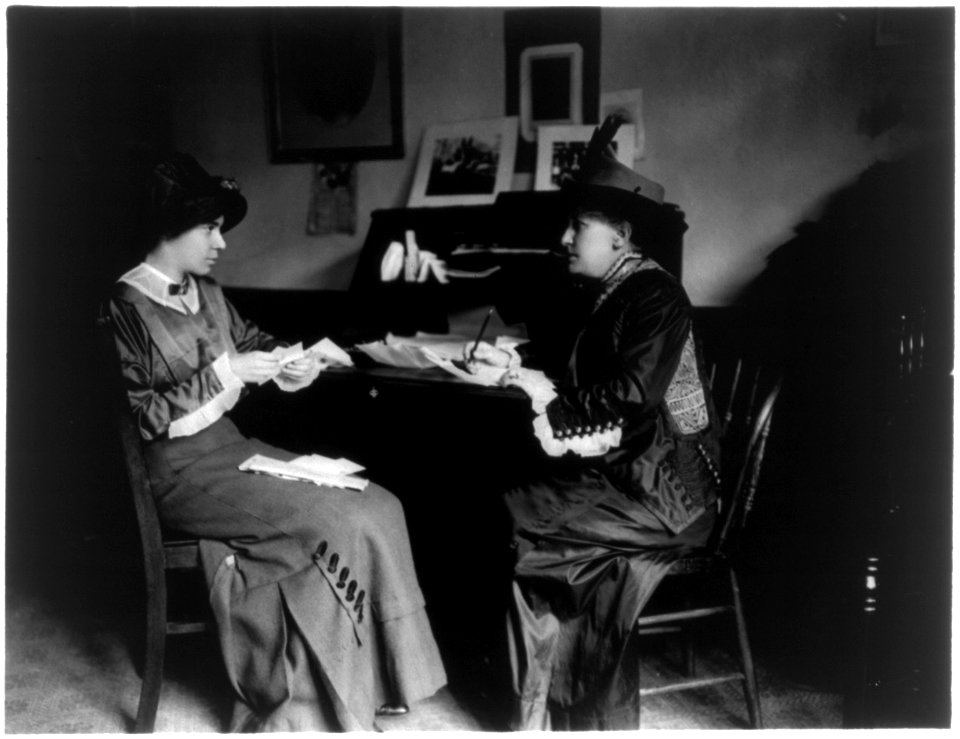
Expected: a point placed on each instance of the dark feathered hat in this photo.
(180, 194)
(604, 184)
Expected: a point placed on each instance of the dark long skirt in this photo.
(319, 612)
(588, 560)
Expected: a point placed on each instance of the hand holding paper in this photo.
(256, 366)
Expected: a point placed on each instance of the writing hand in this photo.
(486, 354)
(254, 366)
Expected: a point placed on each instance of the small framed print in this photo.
(561, 148)
(466, 163)
(551, 87)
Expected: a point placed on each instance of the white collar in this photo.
(156, 286)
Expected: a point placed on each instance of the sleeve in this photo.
(653, 328)
(246, 335)
(160, 405)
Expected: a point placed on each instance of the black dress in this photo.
(594, 536)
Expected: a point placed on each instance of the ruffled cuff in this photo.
(592, 442)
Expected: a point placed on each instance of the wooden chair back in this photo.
(160, 554)
(745, 396)
(148, 520)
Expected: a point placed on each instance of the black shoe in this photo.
(393, 709)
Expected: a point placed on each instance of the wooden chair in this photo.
(705, 580)
(163, 552)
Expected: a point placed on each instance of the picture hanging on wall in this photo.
(545, 27)
(551, 87)
(335, 86)
(465, 163)
(561, 148)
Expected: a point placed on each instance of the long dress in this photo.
(319, 612)
(594, 537)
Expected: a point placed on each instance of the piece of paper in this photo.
(327, 465)
(486, 375)
(328, 351)
(285, 355)
(307, 472)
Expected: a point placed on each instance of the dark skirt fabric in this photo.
(319, 612)
(588, 559)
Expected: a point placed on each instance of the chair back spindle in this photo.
(752, 451)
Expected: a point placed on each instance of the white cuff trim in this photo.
(211, 411)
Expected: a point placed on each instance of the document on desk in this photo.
(315, 468)
(486, 375)
(408, 351)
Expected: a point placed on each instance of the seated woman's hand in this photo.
(300, 369)
(486, 354)
(254, 366)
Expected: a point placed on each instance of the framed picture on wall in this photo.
(560, 150)
(465, 163)
(334, 81)
(551, 87)
(550, 27)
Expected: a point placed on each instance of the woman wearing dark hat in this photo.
(320, 616)
(594, 535)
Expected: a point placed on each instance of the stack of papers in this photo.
(408, 351)
(315, 468)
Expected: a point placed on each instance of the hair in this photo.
(192, 214)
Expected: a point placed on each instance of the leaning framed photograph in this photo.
(334, 83)
(561, 148)
(551, 87)
(465, 163)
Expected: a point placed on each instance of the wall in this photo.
(751, 118)
(220, 116)
(751, 121)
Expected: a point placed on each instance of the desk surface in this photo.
(433, 379)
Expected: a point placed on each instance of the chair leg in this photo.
(750, 680)
(153, 658)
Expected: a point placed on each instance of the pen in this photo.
(483, 328)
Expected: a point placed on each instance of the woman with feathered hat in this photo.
(319, 612)
(635, 482)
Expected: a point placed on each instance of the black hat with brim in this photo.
(182, 195)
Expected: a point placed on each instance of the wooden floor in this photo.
(72, 626)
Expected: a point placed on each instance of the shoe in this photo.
(393, 709)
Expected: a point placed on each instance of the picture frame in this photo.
(334, 79)
(465, 163)
(533, 27)
(559, 149)
(551, 87)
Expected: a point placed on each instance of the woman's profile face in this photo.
(197, 250)
(593, 245)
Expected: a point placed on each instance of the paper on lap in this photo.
(316, 469)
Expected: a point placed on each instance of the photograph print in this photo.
(560, 150)
(465, 163)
